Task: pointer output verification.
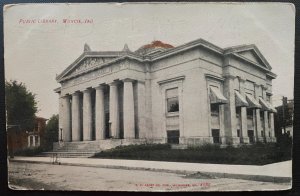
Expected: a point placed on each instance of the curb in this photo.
(261, 178)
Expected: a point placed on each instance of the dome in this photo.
(154, 47)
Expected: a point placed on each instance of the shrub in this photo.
(29, 151)
(257, 154)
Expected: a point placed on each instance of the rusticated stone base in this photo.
(260, 139)
(196, 141)
(245, 140)
(231, 140)
(273, 139)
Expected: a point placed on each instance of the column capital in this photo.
(66, 96)
(100, 87)
(264, 87)
(114, 83)
(241, 79)
(88, 90)
(76, 93)
(229, 77)
(256, 85)
(269, 93)
(127, 80)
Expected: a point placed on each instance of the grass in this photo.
(256, 154)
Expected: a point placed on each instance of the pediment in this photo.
(88, 63)
(250, 53)
(252, 56)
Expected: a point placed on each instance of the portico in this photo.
(84, 112)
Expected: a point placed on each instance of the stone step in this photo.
(70, 154)
(179, 146)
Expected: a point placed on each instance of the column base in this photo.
(273, 139)
(245, 140)
(232, 140)
(260, 139)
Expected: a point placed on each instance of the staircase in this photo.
(75, 149)
(88, 148)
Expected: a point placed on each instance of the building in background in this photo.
(284, 118)
(22, 139)
(36, 136)
(192, 94)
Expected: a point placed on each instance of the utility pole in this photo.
(284, 104)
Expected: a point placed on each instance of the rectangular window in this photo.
(172, 100)
(31, 140)
(262, 133)
(36, 140)
(262, 115)
(214, 109)
(216, 136)
(173, 137)
(238, 133)
(249, 113)
(237, 112)
(251, 136)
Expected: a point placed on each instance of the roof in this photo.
(40, 118)
(157, 50)
(155, 46)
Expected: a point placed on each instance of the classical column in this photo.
(147, 132)
(76, 116)
(33, 141)
(257, 112)
(266, 115)
(28, 138)
(230, 111)
(87, 115)
(266, 125)
(141, 113)
(128, 110)
(258, 125)
(99, 113)
(60, 115)
(114, 110)
(66, 127)
(243, 126)
(272, 130)
(39, 140)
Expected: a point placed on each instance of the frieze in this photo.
(90, 62)
(94, 74)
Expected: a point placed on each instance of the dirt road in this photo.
(62, 177)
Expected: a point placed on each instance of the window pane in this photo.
(214, 109)
(172, 93)
(172, 104)
(216, 135)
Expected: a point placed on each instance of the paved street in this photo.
(62, 177)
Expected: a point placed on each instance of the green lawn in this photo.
(257, 154)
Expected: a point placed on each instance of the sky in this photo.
(36, 51)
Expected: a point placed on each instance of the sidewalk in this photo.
(276, 172)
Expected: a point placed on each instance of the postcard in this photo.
(149, 96)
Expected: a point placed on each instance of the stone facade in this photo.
(192, 94)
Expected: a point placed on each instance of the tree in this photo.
(20, 111)
(51, 132)
(21, 105)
